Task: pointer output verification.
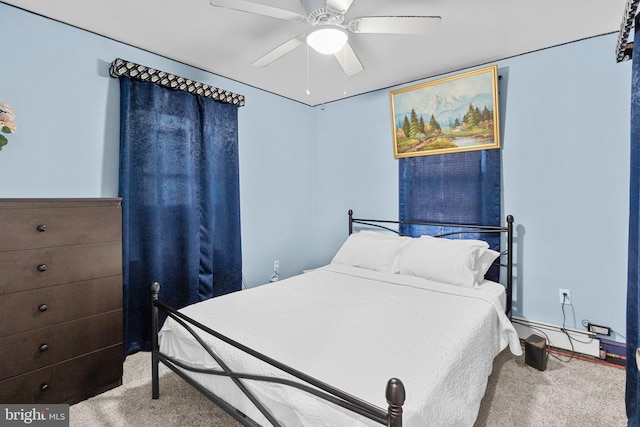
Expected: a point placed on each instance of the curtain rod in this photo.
(624, 49)
(120, 67)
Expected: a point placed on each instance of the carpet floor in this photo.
(568, 393)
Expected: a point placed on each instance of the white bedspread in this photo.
(354, 329)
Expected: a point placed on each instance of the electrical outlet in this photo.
(276, 271)
(561, 294)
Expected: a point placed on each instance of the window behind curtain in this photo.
(456, 188)
(179, 181)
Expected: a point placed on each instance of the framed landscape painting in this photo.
(453, 114)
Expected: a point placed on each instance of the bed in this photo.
(319, 349)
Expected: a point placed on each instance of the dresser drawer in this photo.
(41, 347)
(22, 310)
(67, 382)
(35, 268)
(29, 224)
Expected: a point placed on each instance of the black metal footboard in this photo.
(395, 392)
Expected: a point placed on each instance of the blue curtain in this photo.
(179, 183)
(456, 188)
(633, 295)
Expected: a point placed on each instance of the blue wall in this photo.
(67, 142)
(565, 133)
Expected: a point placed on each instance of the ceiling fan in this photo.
(330, 33)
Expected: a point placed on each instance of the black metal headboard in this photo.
(455, 229)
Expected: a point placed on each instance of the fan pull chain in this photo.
(344, 49)
(308, 90)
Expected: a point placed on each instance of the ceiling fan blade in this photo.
(278, 52)
(340, 6)
(258, 9)
(395, 24)
(348, 60)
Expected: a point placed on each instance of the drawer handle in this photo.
(42, 267)
(44, 387)
(42, 228)
(43, 348)
(42, 308)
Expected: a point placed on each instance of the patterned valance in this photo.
(624, 48)
(120, 67)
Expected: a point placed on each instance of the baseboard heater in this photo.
(583, 341)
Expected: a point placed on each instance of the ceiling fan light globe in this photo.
(327, 40)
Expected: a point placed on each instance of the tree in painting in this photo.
(474, 127)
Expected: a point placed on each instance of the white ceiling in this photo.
(226, 42)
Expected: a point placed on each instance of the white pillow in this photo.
(460, 242)
(485, 260)
(456, 262)
(371, 250)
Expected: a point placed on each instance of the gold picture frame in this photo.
(448, 115)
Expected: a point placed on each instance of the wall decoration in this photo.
(121, 68)
(452, 114)
(7, 122)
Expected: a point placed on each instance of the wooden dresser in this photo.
(60, 299)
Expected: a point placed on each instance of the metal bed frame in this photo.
(395, 392)
(461, 229)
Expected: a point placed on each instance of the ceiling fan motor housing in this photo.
(319, 14)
